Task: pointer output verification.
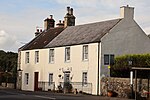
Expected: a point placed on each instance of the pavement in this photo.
(55, 96)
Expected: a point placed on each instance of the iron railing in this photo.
(46, 86)
(80, 86)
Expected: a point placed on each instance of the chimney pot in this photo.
(71, 11)
(51, 16)
(40, 30)
(37, 30)
(59, 21)
(68, 9)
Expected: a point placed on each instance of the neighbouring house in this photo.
(78, 54)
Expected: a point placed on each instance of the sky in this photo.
(19, 18)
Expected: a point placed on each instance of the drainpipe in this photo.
(98, 69)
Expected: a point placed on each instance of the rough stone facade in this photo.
(122, 86)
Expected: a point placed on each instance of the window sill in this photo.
(85, 60)
(51, 62)
(68, 61)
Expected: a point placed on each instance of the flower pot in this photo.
(109, 94)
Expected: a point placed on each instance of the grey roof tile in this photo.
(81, 34)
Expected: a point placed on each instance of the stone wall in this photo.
(8, 85)
(122, 86)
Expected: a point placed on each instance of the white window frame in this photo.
(36, 56)
(84, 78)
(51, 55)
(85, 53)
(27, 57)
(110, 60)
(67, 54)
(26, 78)
(50, 80)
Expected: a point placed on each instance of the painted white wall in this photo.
(31, 67)
(76, 65)
(125, 38)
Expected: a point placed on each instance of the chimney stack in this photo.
(69, 19)
(38, 31)
(60, 24)
(49, 23)
(127, 12)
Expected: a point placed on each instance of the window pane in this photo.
(27, 57)
(85, 52)
(111, 59)
(67, 54)
(50, 78)
(26, 78)
(51, 55)
(84, 78)
(36, 56)
(106, 59)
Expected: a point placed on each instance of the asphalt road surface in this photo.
(12, 94)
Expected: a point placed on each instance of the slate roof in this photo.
(42, 39)
(81, 34)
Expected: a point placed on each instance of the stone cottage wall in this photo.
(122, 86)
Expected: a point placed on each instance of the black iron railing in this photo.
(79, 86)
(46, 86)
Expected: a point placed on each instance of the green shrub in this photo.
(121, 67)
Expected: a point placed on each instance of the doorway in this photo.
(36, 75)
(66, 77)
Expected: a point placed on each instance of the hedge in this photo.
(121, 67)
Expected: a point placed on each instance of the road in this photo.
(12, 94)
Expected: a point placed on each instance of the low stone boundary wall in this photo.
(8, 85)
(122, 86)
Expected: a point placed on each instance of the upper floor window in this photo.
(84, 78)
(26, 78)
(27, 57)
(85, 52)
(36, 56)
(67, 54)
(108, 59)
(51, 55)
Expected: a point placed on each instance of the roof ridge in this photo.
(98, 22)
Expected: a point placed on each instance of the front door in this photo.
(36, 74)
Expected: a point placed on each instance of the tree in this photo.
(8, 66)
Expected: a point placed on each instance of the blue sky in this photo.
(19, 18)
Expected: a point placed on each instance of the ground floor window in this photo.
(50, 78)
(26, 78)
(84, 78)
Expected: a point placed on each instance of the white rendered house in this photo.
(79, 54)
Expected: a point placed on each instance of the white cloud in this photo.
(7, 41)
(21, 25)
